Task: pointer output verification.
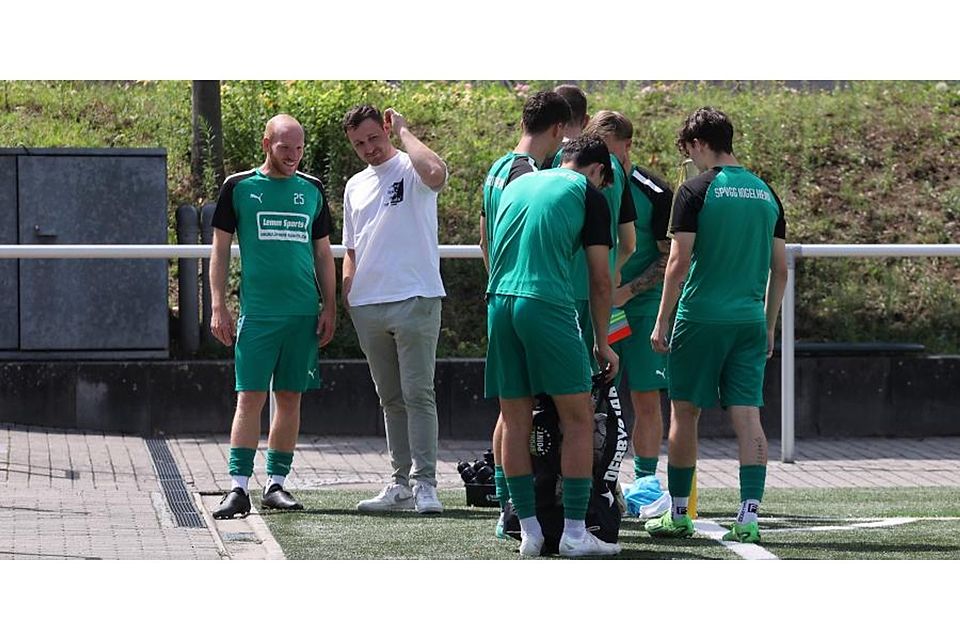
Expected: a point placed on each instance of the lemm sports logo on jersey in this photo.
(277, 225)
(395, 193)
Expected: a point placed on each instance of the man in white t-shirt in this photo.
(392, 290)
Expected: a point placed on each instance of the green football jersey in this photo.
(613, 194)
(652, 197)
(735, 215)
(276, 221)
(544, 219)
(502, 172)
(557, 159)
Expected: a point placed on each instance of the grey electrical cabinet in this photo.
(83, 308)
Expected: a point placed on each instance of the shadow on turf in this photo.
(863, 548)
(448, 513)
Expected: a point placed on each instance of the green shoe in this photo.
(749, 532)
(666, 527)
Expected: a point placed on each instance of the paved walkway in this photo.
(72, 494)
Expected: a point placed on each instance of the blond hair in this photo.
(607, 123)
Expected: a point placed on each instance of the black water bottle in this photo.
(485, 475)
(488, 458)
(467, 474)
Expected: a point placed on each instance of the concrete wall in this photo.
(836, 396)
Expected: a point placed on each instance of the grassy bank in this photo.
(872, 162)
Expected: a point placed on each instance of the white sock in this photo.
(531, 527)
(679, 508)
(575, 529)
(748, 511)
(272, 480)
(239, 481)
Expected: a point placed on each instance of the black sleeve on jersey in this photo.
(322, 224)
(689, 202)
(520, 166)
(596, 224)
(661, 198)
(225, 216)
(628, 212)
(780, 230)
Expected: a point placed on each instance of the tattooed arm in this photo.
(651, 276)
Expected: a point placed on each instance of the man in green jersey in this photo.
(545, 116)
(534, 344)
(646, 370)
(617, 133)
(577, 100)
(579, 117)
(729, 253)
(281, 218)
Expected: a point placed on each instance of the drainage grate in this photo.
(179, 499)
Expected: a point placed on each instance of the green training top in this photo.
(735, 215)
(502, 172)
(620, 204)
(276, 221)
(543, 219)
(652, 197)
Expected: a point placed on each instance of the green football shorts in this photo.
(710, 362)
(533, 347)
(284, 347)
(585, 321)
(646, 370)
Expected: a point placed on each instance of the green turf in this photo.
(331, 528)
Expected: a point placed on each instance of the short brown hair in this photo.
(544, 109)
(577, 100)
(358, 114)
(709, 125)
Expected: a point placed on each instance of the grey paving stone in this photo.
(75, 494)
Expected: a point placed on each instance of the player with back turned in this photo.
(729, 256)
(545, 116)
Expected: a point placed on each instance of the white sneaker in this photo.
(588, 545)
(530, 546)
(394, 497)
(425, 498)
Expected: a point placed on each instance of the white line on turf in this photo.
(744, 550)
(874, 524)
(764, 519)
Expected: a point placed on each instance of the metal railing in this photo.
(170, 251)
(788, 338)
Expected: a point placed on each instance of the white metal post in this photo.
(787, 370)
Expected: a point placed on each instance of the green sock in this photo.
(576, 495)
(753, 478)
(278, 462)
(503, 491)
(241, 461)
(680, 481)
(644, 466)
(521, 492)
